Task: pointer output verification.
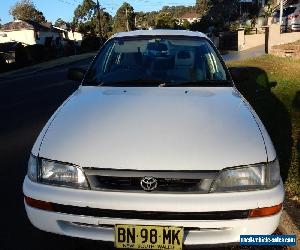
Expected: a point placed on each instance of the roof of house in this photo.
(189, 15)
(159, 32)
(26, 25)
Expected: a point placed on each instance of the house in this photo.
(29, 33)
(190, 17)
(69, 35)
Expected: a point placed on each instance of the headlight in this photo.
(56, 173)
(253, 177)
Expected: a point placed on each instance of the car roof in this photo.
(297, 5)
(159, 32)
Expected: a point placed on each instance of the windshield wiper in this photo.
(203, 83)
(163, 83)
(134, 83)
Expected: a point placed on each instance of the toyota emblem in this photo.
(149, 183)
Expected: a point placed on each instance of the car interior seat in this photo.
(185, 66)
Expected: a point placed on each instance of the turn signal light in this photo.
(38, 204)
(265, 211)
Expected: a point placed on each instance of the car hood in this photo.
(207, 128)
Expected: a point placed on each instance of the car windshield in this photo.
(157, 61)
(289, 10)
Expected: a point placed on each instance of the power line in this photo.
(63, 1)
(77, 2)
(113, 5)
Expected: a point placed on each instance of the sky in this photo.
(64, 9)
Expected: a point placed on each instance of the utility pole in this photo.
(127, 21)
(281, 12)
(99, 20)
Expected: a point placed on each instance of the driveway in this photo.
(242, 55)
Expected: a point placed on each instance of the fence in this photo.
(275, 37)
(228, 40)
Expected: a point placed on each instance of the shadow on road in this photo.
(20, 125)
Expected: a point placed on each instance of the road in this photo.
(27, 100)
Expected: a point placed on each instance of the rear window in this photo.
(288, 11)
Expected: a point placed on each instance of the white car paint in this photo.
(213, 232)
(182, 128)
(151, 129)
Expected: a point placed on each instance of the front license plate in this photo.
(148, 237)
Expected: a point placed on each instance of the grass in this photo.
(278, 107)
(288, 45)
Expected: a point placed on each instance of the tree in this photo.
(83, 15)
(216, 13)
(186, 24)
(86, 19)
(202, 7)
(178, 11)
(60, 22)
(151, 18)
(141, 20)
(124, 19)
(106, 23)
(85, 11)
(270, 8)
(26, 10)
(165, 21)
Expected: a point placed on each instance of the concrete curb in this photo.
(50, 64)
(287, 226)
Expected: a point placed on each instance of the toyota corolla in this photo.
(156, 149)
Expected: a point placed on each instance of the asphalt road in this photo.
(27, 100)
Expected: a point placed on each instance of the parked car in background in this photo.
(8, 51)
(293, 16)
(157, 149)
(290, 17)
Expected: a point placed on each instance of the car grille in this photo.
(172, 182)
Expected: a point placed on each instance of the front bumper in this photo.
(197, 232)
(295, 26)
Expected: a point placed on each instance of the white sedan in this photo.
(156, 149)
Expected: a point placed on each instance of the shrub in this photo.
(29, 54)
(21, 56)
(35, 53)
(69, 48)
(248, 29)
(3, 64)
(90, 43)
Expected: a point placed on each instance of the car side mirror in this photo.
(76, 74)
